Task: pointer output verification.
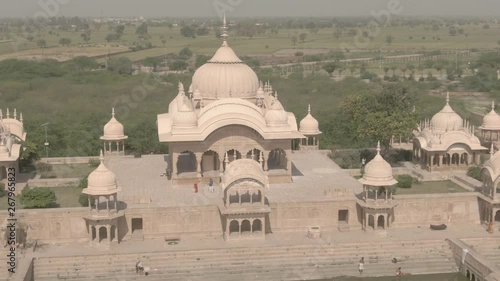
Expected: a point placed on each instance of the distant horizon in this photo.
(247, 8)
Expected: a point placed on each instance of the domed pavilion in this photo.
(490, 202)
(12, 134)
(490, 129)
(226, 115)
(309, 127)
(376, 200)
(102, 219)
(114, 137)
(446, 142)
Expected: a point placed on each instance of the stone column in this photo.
(108, 231)
(266, 168)
(90, 232)
(123, 147)
(109, 146)
(107, 203)
(97, 234)
(174, 163)
(116, 232)
(478, 159)
(90, 204)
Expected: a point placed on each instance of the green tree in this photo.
(64, 41)
(152, 62)
(303, 37)
(122, 65)
(112, 37)
(142, 29)
(185, 53)
(177, 65)
(82, 63)
(201, 60)
(119, 30)
(85, 36)
(38, 197)
(389, 39)
(293, 39)
(41, 43)
(330, 67)
(188, 31)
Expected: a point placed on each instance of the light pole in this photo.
(46, 142)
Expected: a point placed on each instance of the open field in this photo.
(68, 171)
(430, 187)
(406, 40)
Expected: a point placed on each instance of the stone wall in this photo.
(53, 182)
(425, 209)
(68, 160)
(473, 261)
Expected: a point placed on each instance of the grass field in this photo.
(406, 40)
(431, 187)
(68, 171)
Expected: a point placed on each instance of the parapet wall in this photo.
(68, 160)
(471, 261)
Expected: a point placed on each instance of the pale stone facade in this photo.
(446, 142)
(114, 137)
(490, 129)
(12, 135)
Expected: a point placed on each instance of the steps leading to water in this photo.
(272, 263)
(487, 247)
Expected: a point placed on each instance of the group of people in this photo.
(361, 267)
(210, 186)
(139, 268)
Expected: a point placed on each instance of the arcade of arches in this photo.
(447, 160)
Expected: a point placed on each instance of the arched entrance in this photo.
(234, 198)
(245, 227)
(277, 159)
(371, 221)
(210, 161)
(381, 222)
(94, 234)
(497, 216)
(257, 226)
(103, 233)
(254, 154)
(234, 227)
(112, 233)
(186, 163)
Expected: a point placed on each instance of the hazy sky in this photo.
(237, 8)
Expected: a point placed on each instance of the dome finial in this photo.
(309, 109)
(113, 112)
(378, 148)
(492, 105)
(101, 157)
(447, 98)
(224, 31)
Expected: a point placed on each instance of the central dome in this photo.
(225, 75)
(446, 119)
(491, 120)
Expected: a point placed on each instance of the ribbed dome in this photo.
(446, 119)
(225, 75)
(491, 120)
(276, 115)
(309, 125)
(113, 129)
(101, 181)
(378, 172)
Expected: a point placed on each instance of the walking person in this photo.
(361, 265)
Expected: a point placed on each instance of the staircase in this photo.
(487, 247)
(298, 262)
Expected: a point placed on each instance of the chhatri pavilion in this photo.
(446, 142)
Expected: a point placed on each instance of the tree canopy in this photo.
(38, 197)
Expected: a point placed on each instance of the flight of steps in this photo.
(487, 247)
(298, 262)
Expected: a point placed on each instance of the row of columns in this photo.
(95, 228)
(96, 198)
(438, 160)
(110, 149)
(366, 219)
(310, 142)
(258, 194)
(252, 222)
(487, 135)
(387, 192)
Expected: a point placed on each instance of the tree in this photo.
(188, 31)
(201, 31)
(38, 197)
(353, 69)
(389, 39)
(82, 63)
(152, 62)
(381, 115)
(119, 30)
(293, 39)
(41, 43)
(30, 38)
(64, 41)
(142, 29)
(185, 53)
(302, 37)
(330, 67)
(122, 65)
(112, 37)
(201, 60)
(85, 36)
(386, 69)
(177, 65)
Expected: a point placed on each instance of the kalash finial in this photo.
(101, 157)
(309, 109)
(113, 112)
(378, 148)
(224, 31)
(447, 98)
(492, 105)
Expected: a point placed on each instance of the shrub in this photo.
(84, 201)
(94, 162)
(38, 197)
(475, 172)
(83, 182)
(2, 189)
(404, 181)
(43, 167)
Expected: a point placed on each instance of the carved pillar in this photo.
(116, 232)
(108, 232)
